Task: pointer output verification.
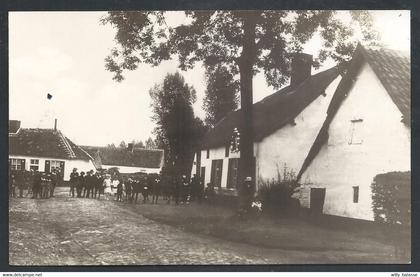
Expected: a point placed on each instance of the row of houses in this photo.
(333, 131)
(46, 149)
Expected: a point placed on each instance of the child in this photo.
(119, 191)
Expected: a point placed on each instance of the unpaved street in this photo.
(72, 231)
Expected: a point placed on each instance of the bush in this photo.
(276, 197)
(391, 197)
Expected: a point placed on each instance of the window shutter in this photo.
(47, 166)
(22, 165)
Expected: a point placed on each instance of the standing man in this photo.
(176, 188)
(74, 179)
(185, 190)
(248, 192)
(156, 187)
(194, 187)
(36, 185)
(54, 181)
(12, 185)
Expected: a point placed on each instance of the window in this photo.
(17, 164)
(356, 194)
(227, 149)
(208, 154)
(34, 165)
(50, 165)
(356, 131)
(54, 165)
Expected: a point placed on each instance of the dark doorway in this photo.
(216, 172)
(233, 171)
(317, 200)
(203, 174)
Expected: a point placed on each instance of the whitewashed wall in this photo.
(216, 154)
(290, 145)
(81, 165)
(132, 169)
(386, 147)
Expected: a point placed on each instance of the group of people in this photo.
(120, 187)
(128, 187)
(36, 184)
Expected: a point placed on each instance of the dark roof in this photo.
(139, 157)
(274, 111)
(393, 70)
(47, 143)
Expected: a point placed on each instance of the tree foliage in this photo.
(123, 145)
(221, 94)
(150, 144)
(176, 129)
(245, 42)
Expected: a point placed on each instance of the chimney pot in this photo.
(130, 147)
(14, 126)
(300, 68)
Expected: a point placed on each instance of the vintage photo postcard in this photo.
(209, 137)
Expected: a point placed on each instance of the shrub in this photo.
(391, 197)
(276, 195)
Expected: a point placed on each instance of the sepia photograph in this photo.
(209, 137)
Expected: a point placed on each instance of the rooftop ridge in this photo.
(68, 148)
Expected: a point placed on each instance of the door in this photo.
(233, 171)
(47, 167)
(203, 175)
(60, 177)
(317, 199)
(198, 163)
(216, 172)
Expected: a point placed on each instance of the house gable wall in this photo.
(354, 155)
(289, 145)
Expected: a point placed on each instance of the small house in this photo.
(127, 160)
(44, 150)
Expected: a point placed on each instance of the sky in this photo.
(62, 53)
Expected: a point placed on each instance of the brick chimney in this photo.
(300, 68)
(14, 126)
(130, 147)
(55, 124)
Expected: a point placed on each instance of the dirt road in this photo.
(73, 231)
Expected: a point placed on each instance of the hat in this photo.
(248, 179)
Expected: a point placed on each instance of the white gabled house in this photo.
(45, 149)
(285, 126)
(127, 160)
(366, 132)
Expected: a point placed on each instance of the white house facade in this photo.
(285, 125)
(367, 132)
(127, 160)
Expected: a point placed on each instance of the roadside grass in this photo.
(268, 232)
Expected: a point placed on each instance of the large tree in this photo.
(246, 42)
(174, 116)
(221, 94)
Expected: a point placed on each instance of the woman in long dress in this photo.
(107, 187)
